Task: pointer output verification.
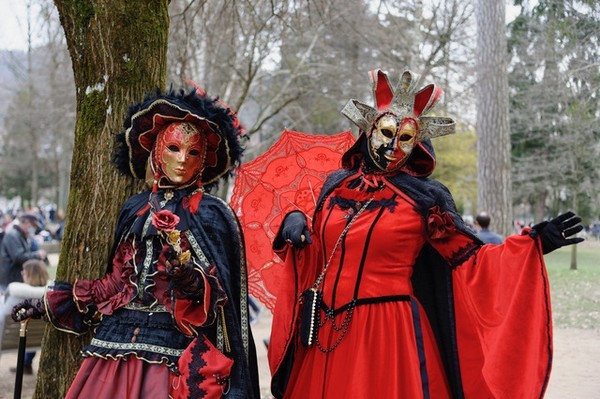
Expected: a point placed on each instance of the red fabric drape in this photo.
(503, 318)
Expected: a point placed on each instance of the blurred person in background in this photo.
(35, 279)
(16, 249)
(483, 221)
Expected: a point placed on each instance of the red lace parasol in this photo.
(288, 176)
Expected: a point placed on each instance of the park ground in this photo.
(575, 300)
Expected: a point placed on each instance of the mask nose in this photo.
(392, 144)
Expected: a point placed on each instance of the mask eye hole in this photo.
(387, 133)
(173, 148)
(407, 131)
(195, 152)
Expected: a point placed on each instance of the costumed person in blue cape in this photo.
(389, 294)
(172, 307)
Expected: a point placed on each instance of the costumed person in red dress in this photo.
(389, 294)
(172, 307)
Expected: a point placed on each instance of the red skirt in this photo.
(389, 351)
(129, 378)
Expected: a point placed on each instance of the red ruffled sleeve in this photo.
(62, 312)
(453, 244)
(71, 308)
(113, 291)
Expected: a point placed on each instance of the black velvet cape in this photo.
(216, 229)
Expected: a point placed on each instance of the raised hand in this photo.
(556, 233)
(29, 308)
(295, 230)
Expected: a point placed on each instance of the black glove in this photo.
(185, 279)
(556, 232)
(295, 230)
(29, 308)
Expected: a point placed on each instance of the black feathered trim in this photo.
(425, 193)
(145, 119)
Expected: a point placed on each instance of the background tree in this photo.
(294, 64)
(493, 133)
(111, 71)
(37, 134)
(23, 150)
(289, 64)
(57, 119)
(457, 167)
(555, 82)
(555, 102)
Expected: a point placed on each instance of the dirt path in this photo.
(576, 366)
(575, 369)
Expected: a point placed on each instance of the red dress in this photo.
(383, 346)
(374, 261)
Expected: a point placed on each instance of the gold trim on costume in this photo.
(119, 356)
(136, 346)
(205, 264)
(154, 308)
(147, 263)
(243, 280)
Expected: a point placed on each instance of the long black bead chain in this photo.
(343, 327)
(329, 315)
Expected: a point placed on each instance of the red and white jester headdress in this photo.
(403, 101)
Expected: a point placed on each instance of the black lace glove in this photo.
(29, 308)
(556, 232)
(185, 279)
(295, 230)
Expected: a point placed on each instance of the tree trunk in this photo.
(493, 131)
(539, 209)
(31, 131)
(574, 247)
(118, 50)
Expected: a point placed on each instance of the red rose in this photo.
(165, 220)
(439, 224)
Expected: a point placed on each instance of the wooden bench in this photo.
(10, 335)
(51, 247)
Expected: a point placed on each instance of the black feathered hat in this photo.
(146, 119)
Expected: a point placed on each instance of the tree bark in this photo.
(118, 50)
(573, 265)
(493, 131)
(34, 142)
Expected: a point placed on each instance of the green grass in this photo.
(575, 293)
